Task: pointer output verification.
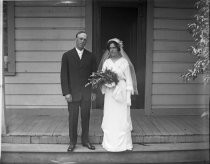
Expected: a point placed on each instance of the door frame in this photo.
(149, 57)
(97, 4)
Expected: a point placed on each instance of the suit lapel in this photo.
(75, 55)
(84, 55)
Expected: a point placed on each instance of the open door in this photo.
(124, 20)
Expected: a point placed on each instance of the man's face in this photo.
(81, 41)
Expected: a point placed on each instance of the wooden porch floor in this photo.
(51, 129)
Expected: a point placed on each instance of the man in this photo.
(76, 67)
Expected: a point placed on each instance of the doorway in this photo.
(124, 20)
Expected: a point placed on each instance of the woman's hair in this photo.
(113, 42)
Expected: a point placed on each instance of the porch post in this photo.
(149, 57)
(88, 29)
(2, 116)
(88, 23)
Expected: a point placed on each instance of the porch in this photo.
(34, 128)
(43, 138)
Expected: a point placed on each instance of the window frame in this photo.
(9, 57)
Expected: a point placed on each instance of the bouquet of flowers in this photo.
(108, 78)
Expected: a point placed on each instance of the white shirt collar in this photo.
(80, 52)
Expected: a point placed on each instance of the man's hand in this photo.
(93, 96)
(68, 98)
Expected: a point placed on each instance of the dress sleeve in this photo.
(103, 87)
(129, 84)
(104, 66)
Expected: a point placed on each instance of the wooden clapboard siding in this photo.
(170, 60)
(172, 78)
(40, 56)
(44, 30)
(165, 34)
(33, 100)
(179, 99)
(47, 3)
(171, 24)
(38, 67)
(172, 67)
(45, 34)
(169, 45)
(35, 89)
(50, 12)
(49, 22)
(37, 107)
(174, 13)
(173, 57)
(180, 89)
(181, 108)
(34, 78)
(185, 4)
(44, 45)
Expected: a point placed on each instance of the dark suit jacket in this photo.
(75, 74)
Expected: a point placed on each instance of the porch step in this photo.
(148, 153)
(97, 139)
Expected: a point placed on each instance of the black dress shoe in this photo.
(89, 146)
(71, 148)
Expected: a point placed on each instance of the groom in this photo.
(76, 67)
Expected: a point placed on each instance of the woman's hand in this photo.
(128, 98)
(110, 85)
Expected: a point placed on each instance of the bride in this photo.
(116, 123)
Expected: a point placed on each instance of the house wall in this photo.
(43, 32)
(171, 42)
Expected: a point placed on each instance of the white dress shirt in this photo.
(80, 52)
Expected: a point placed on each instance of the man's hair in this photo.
(80, 32)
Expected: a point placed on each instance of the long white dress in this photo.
(116, 123)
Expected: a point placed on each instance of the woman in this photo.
(116, 123)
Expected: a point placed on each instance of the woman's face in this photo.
(113, 50)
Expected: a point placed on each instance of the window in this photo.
(9, 38)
